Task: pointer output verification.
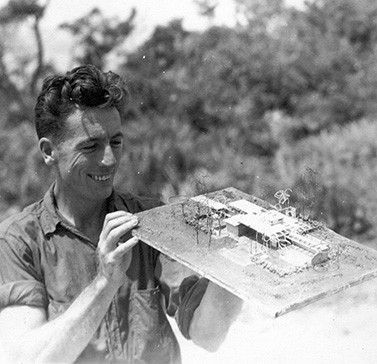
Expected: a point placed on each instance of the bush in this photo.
(333, 176)
(23, 176)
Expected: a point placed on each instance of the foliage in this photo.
(18, 83)
(23, 175)
(207, 7)
(332, 54)
(21, 9)
(333, 176)
(97, 36)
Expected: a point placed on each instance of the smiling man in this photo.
(74, 285)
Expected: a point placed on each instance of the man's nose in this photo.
(108, 158)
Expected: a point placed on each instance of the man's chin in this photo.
(106, 191)
(100, 192)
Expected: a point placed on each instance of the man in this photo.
(74, 284)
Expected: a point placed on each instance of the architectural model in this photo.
(263, 253)
(278, 241)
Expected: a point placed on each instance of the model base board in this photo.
(268, 257)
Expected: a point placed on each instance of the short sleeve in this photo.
(191, 293)
(182, 290)
(20, 280)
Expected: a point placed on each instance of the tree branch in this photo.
(40, 48)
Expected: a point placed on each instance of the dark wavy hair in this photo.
(83, 87)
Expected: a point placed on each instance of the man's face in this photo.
(89, 154)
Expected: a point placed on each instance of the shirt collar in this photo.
(116, 203)
(50, 218)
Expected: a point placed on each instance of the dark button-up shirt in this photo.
(46, 262)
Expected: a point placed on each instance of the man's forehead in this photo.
(94, 123)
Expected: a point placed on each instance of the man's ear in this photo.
(48, 150)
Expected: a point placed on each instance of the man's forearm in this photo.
(63, 339)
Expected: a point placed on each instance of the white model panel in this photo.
(246, 206)
(209, 203)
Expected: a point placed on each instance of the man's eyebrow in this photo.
(89, 140)
(117, 135)
(99, 138)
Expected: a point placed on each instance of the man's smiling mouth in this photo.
(103, 177)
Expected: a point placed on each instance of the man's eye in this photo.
(88, 147)
(116, 143)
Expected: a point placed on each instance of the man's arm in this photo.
(205, 310)
(27, 336)
(212, 319)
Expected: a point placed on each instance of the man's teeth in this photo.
(101, 178)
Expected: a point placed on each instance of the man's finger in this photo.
(123, 223)
(124, 247)
(109, 242)
(113, 215)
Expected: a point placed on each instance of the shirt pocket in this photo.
(151, 338)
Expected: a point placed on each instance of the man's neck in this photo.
(86, 216)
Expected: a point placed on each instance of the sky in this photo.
(149, 14)
(59, 43)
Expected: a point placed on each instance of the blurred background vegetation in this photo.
(286, 98)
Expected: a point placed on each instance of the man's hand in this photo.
(114, 256)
